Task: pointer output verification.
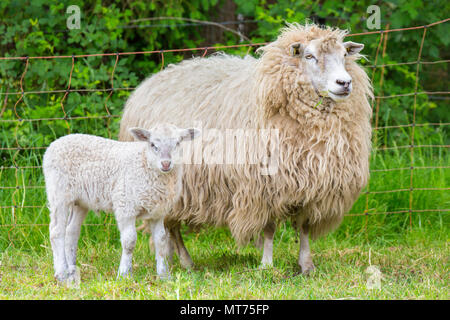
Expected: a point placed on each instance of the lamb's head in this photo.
(163, 141)
(323, 62)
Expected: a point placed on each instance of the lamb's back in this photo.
(78, 152)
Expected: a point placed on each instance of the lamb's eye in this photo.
(309, 56)
(154, 146)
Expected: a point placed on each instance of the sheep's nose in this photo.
(344, 83)
(165, 164)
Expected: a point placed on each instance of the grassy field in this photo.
(410, 249)
(414, 265)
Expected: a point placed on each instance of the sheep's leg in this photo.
(58, 221)
(183, 254)
(146, 227)
(258, 241)
(128, 237)
(304, 259)
(75, 221)
(269, 231)
(171, 247)
(161, 240)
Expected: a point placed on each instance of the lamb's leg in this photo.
(177, 241)
(76, 218)
(58, 221)
(304, 259)
(269, 231)
(128, 237)
(161, 240)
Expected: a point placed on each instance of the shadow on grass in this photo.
(243, 263)
(222, 261)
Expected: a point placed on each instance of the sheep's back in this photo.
(215, 91)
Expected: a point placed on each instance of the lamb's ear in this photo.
(353, 47)
(140, 134)
(296, 49)
(189, 134)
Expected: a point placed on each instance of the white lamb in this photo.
(135, 180)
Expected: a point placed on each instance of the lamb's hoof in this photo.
(307, 267)
(165, 276)
(73, 278)
(61, 277)
(69, 278)
(124, 275)
(265, 265)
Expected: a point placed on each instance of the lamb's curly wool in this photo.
(107, 175)
(84, 172)
(324, 145)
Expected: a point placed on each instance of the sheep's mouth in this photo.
(341, 94)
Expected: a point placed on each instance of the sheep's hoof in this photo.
(186, 262)
(307, 267)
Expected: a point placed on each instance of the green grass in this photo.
(414, 267)
(410, 249)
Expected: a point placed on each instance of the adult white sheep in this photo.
(135, 180)
(307, 85)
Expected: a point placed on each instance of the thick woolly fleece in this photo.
(324, 145)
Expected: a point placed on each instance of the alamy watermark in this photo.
(259, 147)
(374, 20)
(74, 20)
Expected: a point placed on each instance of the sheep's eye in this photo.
(154, 146)
(345, 54)
(309, 56)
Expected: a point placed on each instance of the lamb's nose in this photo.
(344, 83)
(165, 164)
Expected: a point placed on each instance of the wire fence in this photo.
(16, 204)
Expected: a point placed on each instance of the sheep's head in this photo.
(163, 141)
(316, 58)
(323, 62)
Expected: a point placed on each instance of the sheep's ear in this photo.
(189, 134)
(296, 49)
(353, 47)
(140, 134)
